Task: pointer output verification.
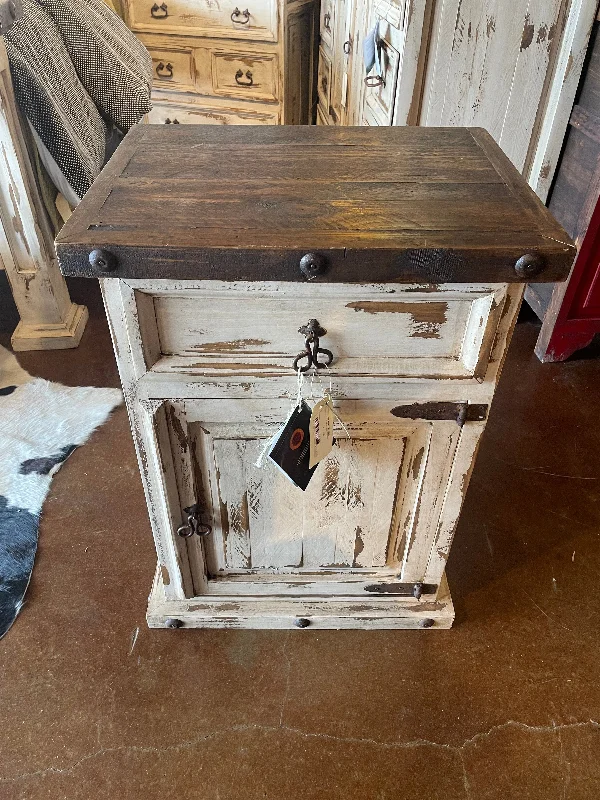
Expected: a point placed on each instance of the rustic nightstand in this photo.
(410, 247)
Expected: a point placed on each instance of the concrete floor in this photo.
(505, 705)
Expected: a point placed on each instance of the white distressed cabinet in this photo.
(415, 273)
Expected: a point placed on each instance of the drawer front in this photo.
(380, 96)
(257, 20)
(252, 328)
(173, 113)
(245, 76)
(172, 69)
(328, 23)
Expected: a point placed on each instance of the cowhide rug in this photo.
(41, 423)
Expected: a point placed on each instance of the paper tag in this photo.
(321, 431)
(291, 447)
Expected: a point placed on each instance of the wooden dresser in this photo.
(229, 62)
(415, 271)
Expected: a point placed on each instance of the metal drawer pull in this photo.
(248, 82)
(312, 331)
(164, 70)
(347, 46)
(193, 525)
(237, 13)
(171, 121)
(326, 21)
(159, 11)
(375, 80)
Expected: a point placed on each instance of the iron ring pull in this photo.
(154, 11)
(375, 80)
(312, 331)
(347, 47)
(171, 121)
(248, 82)
(164, 70)
(326, 21)
(193, 525)
(237, 13)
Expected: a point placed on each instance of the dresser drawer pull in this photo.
(171, 121)
(326, 21)
(239, 75)
(312, 331)
(237, 14)
(159, 11)
(193, 525)
(164, 71)
(374, 80)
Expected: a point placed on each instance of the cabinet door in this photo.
(371, 505)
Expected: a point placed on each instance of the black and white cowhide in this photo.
(41, 423)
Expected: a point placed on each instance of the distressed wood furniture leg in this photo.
(49, 320)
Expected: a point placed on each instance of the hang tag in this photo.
(321, 431)
(290, 450)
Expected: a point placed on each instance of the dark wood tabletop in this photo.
(396, 204)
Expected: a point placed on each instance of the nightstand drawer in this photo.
(211, 327)
(228, 18)
(243, 75)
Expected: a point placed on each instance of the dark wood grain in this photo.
(382, 204)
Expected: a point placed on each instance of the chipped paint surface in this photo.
(426, 318)
(236, 346)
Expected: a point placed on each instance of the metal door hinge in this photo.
(194, 525)
(461, 412)
(403, 589)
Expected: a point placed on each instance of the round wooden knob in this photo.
(302, 622)
(426, 623)
(529, 265)
(103, 260)
(312, 264)
(174, 623)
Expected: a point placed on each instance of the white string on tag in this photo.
(271, 440)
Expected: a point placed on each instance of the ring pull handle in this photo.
(347, 46)
(171, 121)
(312, 331)
(239, 75)
(159, 11)
(164, 70)
(193, 525)
(237, 15)
(326, 22)
(375, 80)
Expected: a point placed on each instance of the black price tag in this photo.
(291, 449)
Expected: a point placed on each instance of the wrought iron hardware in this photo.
(193, 525)
(171, 121)
(347, 46)
(239, 74)
(326, 21)
(416, 590)
(237, 13)
(159, 11)
(460, 412)
(374, 80)
(164, 70)
(312, 332)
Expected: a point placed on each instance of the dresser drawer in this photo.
(228, 18)
(250, 328)
(243, 75)
(172, 68)
(168, 113)
(328, 20)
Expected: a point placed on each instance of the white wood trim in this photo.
(49, 320)
(561, 94)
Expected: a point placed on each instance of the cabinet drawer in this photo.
(191, 114)
(252, 329)
(379, 98)
(245, 76)
(172, 68)
(328, 23)
(228, 18)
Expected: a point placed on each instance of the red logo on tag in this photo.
(296, 439)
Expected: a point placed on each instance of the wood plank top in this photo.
(397, 204)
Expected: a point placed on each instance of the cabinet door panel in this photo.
(356, 521)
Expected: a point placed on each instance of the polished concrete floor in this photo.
(505, 705)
